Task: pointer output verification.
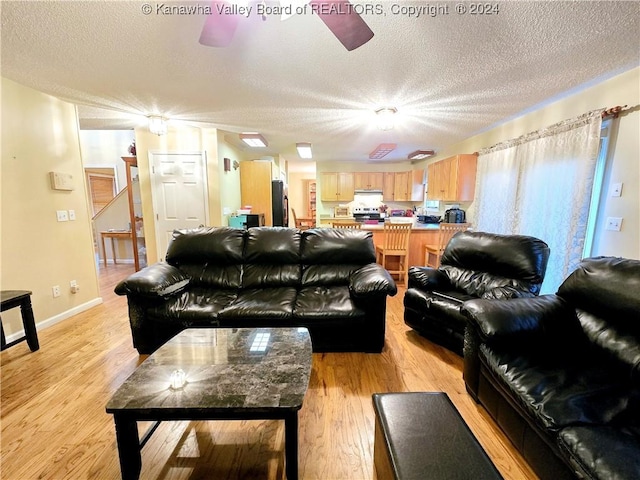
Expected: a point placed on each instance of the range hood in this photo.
(363, 190)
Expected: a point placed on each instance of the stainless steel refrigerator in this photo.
(280, 204)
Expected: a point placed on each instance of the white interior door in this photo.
(179, 189)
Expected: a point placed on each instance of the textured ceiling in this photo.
(450, 76)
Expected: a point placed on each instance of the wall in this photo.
(105, 148)
(221, 185)
(624, 154)
(40, 135)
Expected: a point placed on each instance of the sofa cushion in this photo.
(335, 246)
(262, 303)
(272, 258)
(559, 389)
(334, 275)
(211, 257)
(322, 302)
(603, 452)
(200, 305)
(481, 283)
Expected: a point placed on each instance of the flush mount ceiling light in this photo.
(421, 154)
(385, 118)
(157, 124)
(381, 150)
(304, 150)
(253, 139)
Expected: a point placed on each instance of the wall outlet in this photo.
(614, 223)
(55, 291)
(62, 215)
(73, 285)
(72, 215)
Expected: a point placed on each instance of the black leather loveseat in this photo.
(560, 373)
(323, 279)
(473, 265)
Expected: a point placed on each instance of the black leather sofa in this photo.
(560, 373)
(473, 265)
(323, 279)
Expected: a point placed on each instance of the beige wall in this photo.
(624, 166)
(105, 148)
(223, 187)
(40, 135)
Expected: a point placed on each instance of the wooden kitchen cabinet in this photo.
(368, 180)
(453, 179)
(337, 187)
(388, 181)
(417, 185)
(255, 187)
(401, 189)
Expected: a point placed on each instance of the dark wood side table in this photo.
(20, 298)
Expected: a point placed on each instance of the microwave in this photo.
(341, 212)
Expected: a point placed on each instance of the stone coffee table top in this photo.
(243, 369)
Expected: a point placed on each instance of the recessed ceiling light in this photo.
(253, 139)
(385, 118)
(382, 150)
(421, 154)
(304, 150)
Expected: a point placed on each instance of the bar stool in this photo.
(395, 245)
(432, 253)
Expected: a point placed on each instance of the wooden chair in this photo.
(303, 223)
(395, 245)
(356, 225)
(432, 253)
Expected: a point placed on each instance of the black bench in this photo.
(421, 435)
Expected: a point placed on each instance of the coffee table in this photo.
(231, 374)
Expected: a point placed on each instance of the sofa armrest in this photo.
(427, 278)
(155, 281)
(505, 293)
(500, 319)
(372, 280)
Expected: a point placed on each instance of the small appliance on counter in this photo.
(454, 215)
(428, 218)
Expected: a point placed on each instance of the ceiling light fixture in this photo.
(382, 150)
(157, 125)
(304, 150)
(253, 139)
(385, 118)
(421, 154)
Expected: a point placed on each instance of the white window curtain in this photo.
(540, 185)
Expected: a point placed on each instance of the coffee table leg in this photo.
(128, 447)
(291, 445)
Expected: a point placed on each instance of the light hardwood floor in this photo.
(54, 424)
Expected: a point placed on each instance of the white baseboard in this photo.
(57, 318)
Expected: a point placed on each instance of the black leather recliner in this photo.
(473, 265)
(560, 373)
(323, 279)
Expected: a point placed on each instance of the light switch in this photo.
(616, 189)
(72, 215)
(62, 215)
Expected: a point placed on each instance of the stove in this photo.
(364, 214)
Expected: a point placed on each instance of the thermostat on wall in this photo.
(61, 181)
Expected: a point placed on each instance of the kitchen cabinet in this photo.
(368, 180)
(452, 179)
(401, 190)
(388, 180)
(417, 185)
(336, 187)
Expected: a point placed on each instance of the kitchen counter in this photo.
(415, 226)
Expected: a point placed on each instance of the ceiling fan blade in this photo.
(347, 25)
(220, 25)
